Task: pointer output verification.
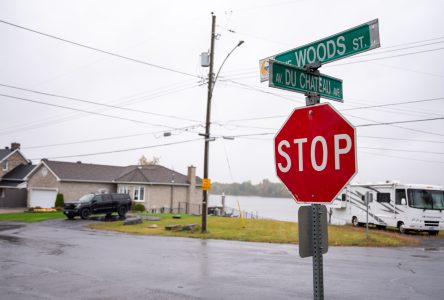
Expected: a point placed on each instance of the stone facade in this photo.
(14, 160)
(72, 191)
(42, 178)
(184, 197)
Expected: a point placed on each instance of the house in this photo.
(72, 179)
(157, 187)
(160, 188)
(14, 167)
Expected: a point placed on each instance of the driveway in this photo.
(62, 259)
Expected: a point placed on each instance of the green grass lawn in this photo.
(267, 231)
(31, 217)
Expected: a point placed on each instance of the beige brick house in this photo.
(162, 189)
(155, 186)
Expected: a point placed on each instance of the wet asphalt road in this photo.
(60, 259)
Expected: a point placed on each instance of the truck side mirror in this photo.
(403, 201)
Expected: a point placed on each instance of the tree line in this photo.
(266, 188)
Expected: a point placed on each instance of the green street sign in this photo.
(349, 42)
(292, 78)
(346, 43)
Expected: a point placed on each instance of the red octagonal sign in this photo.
(315, 153)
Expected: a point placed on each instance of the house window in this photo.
(124, 189)
(5, 165)
(2, 193)
(139, 193)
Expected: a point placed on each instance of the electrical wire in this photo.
(400, 122)
(85, 111)
(121, 150)
(45, 122)
(187, 128)
(402, 157)
(400, 139)
(99, 50)
(97, 103)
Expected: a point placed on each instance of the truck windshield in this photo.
(426, 199)
(86, 198)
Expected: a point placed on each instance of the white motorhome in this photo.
(404, 206)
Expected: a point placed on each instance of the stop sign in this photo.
(315, 153)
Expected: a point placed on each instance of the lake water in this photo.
(284, 209)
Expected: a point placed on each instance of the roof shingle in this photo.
(84, 172)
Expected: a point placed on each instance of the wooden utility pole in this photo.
(207, 126)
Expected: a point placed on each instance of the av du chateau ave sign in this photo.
(293, 78)
(346, 43)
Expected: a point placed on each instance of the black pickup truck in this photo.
(98, 204)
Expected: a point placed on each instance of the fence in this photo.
(196, 209)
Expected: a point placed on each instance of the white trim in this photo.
(37, 167)
(18, 151)
(5, 167)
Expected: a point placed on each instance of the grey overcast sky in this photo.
(163, 89)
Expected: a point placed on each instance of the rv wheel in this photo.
(401, 228)
(355, 222)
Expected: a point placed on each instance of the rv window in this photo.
(383, 197)
(400, 193)
(343, 197)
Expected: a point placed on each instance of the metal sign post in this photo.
(318, 267)
(318, 262)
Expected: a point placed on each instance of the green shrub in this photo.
(139, 207)
(60, 201)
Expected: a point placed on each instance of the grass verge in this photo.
(267, 231)
(31, 217)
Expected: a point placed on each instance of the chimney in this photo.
(192, 175)
(15, 146)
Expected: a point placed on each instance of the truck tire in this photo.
(85, 213)
(122, 211)
(70, 216)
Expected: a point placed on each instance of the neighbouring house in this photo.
(162, 189)
(14, 167)
(72, 179)
(155, 186)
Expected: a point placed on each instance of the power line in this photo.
(397, 126)
(402, 157)
(99, 50)
(393, 50)
(97, 103)
(187, 128)
(45, 122)
(400, 122)
(393, 104)
(385, 57)
(122, 150)
(400, 139)
(86, 111)
(401, 150)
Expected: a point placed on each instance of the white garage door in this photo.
(42, 198)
